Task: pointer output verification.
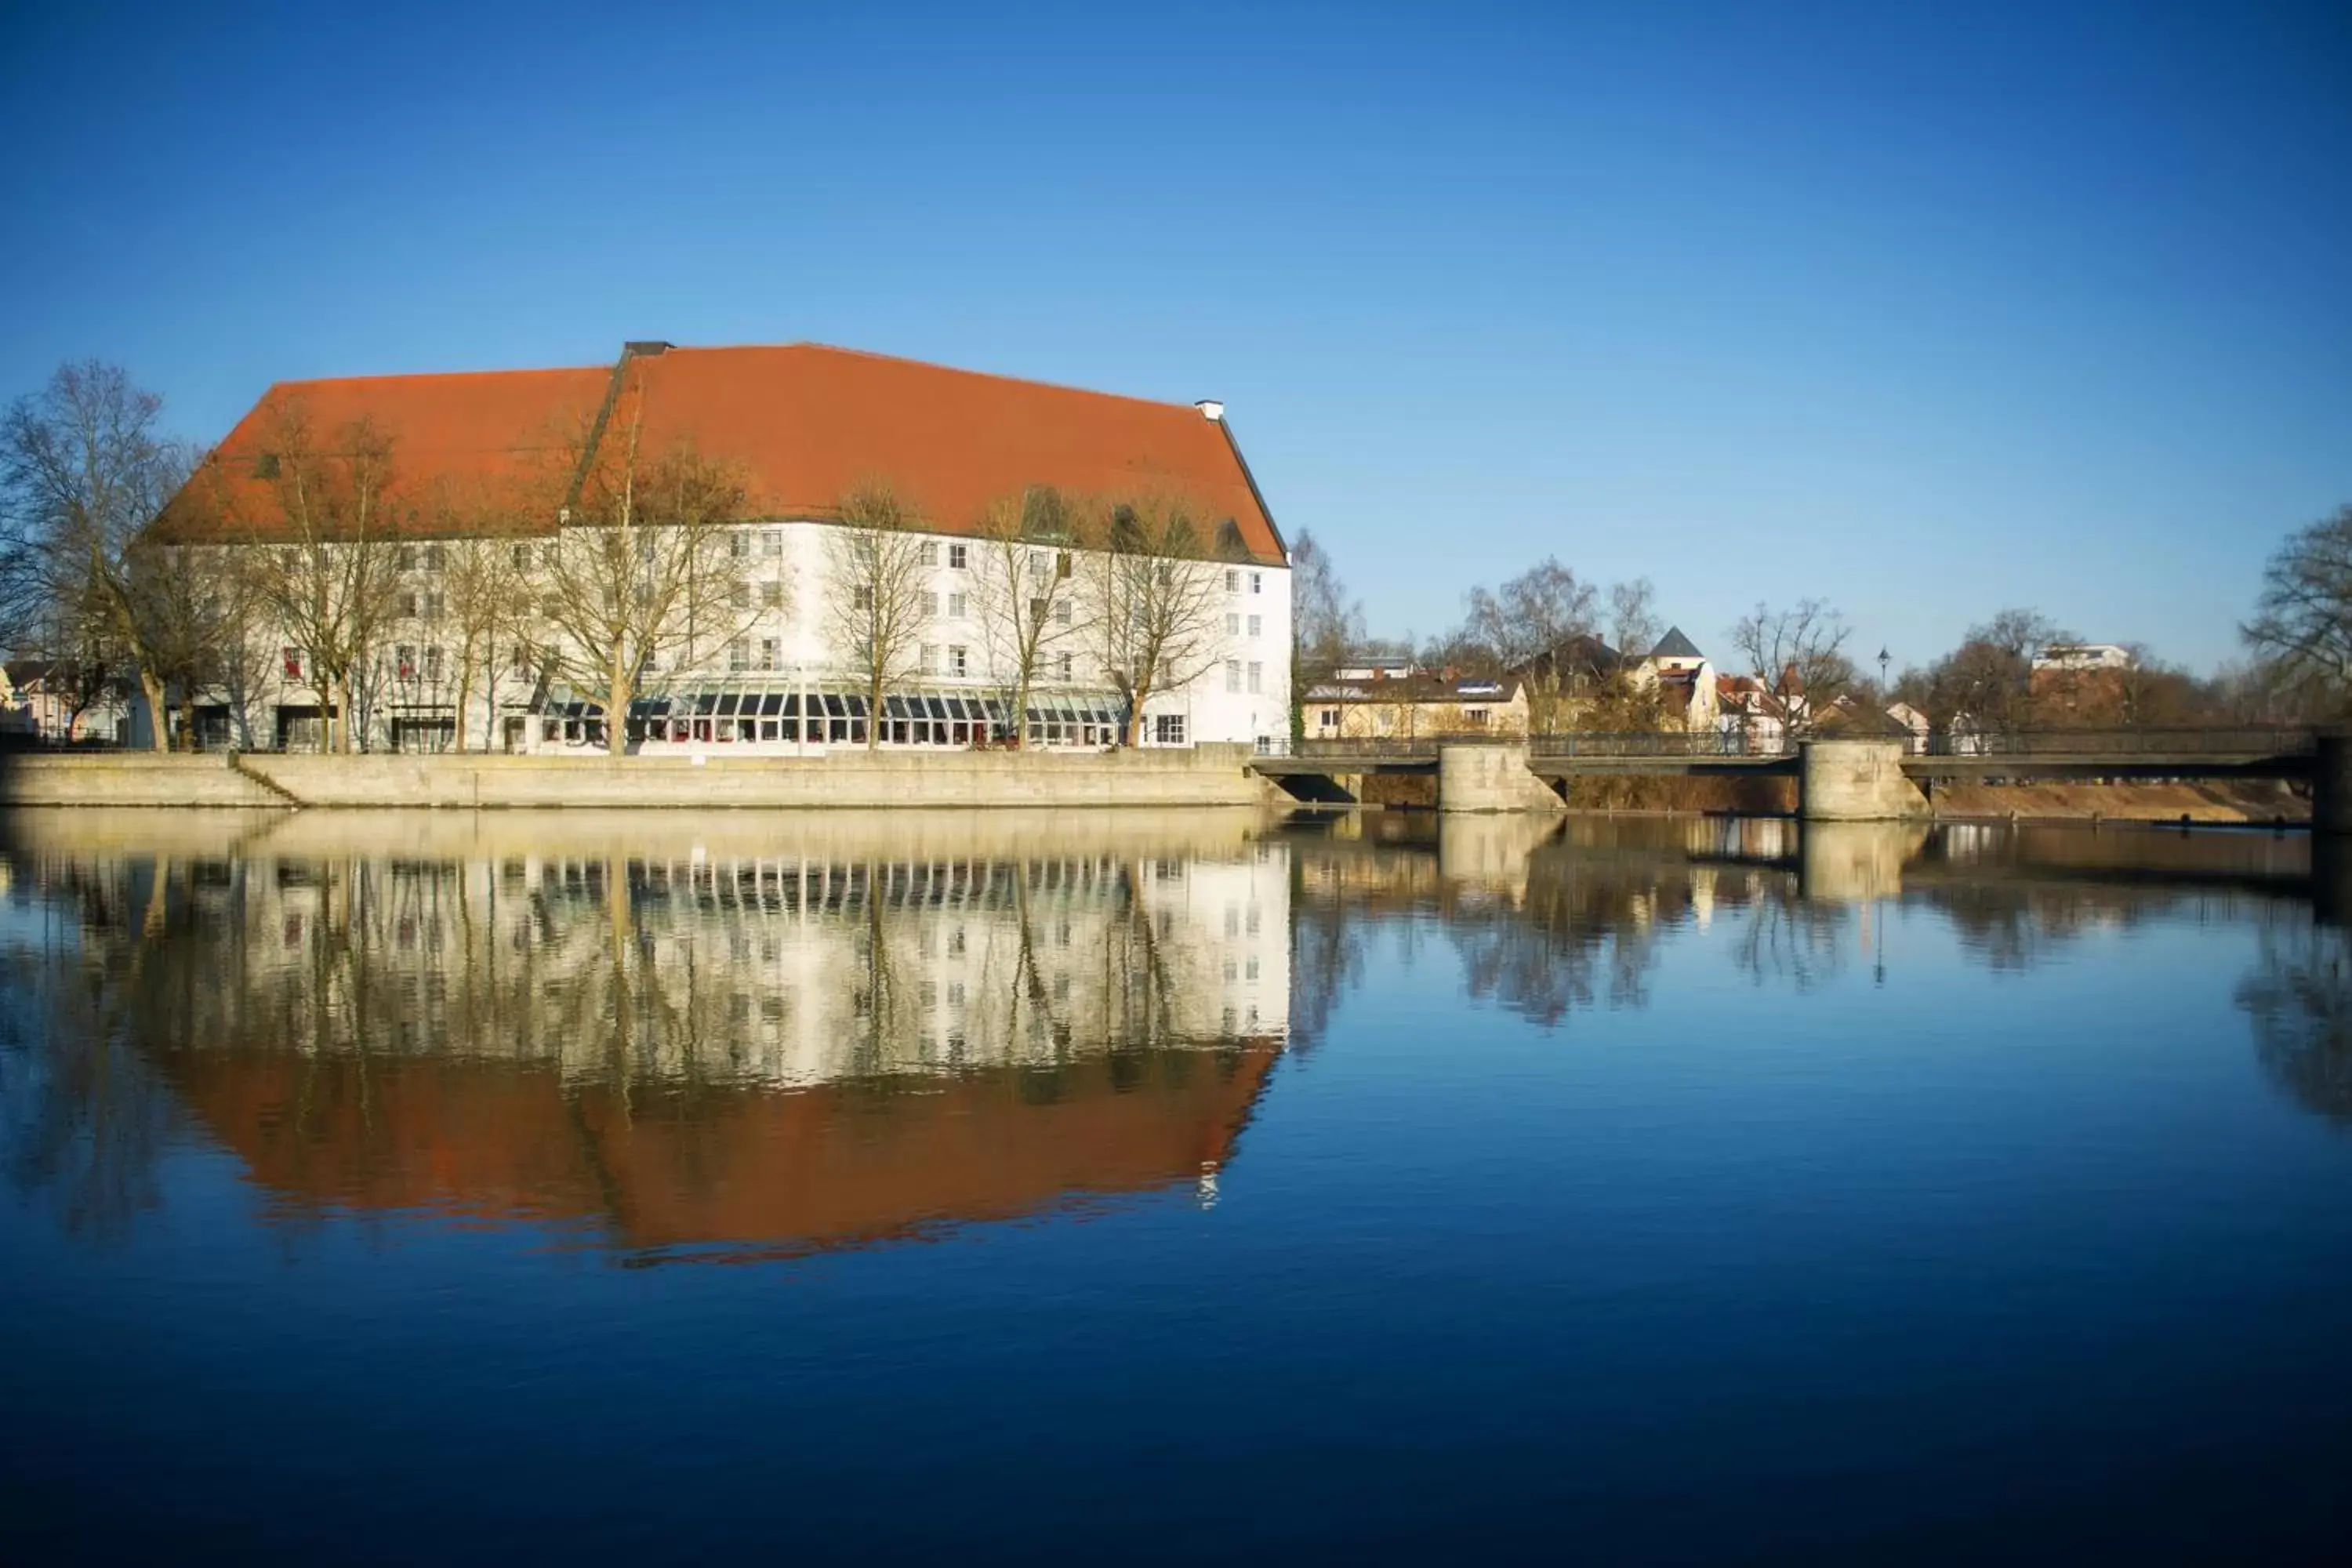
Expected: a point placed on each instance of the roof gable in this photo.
(1673, 645)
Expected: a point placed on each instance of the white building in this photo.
(2078, 656)
(804, 424)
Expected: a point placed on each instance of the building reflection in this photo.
(765, 1036)
(707, 1044)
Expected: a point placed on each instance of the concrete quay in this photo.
(1202, 775)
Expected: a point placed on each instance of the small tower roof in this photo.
(1673, 645)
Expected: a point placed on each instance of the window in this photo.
(1233, 581)
(1256, 678)
(932, 606)
(738, 654)
(405, 656)
(1062, 613)
(1257, 582)
(408, 605)
(1232, 625)
(521, 554)
(433, 603)
(767, 653)
(433, 665)
(959, 556)
(741, 594)
(957, 661)
(930, 553)
(931, 659)
(1476, 718)
(291, 659)
(1329, 718)
(1257, 625)
(772, 595)
(739, 545)
(521, 662)
(1041, 568)
(771, 543)
(1168, 730)
(434, 556)
(1233, 675)
(1062, 665)
(956, 605)
(409, 558)
(862, 596)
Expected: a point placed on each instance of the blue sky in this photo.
(1927, 314)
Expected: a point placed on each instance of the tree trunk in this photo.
(157, 720)
(1135, 712)
(343, 716)
(874, 710)
(616, 710)
(465, 691)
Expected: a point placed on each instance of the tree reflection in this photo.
(2298, 997)
(84, 1120)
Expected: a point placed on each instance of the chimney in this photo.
(646, 348)
(1211, 410)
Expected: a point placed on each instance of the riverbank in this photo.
(1213, 776)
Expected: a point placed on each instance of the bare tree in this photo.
(334, 584)
(1634, 618)
(1028, 594)
(189, 604)
(487, 587)
(1154, 603)
(2303, 619)
(644, 568)
(1987, 684)
(83, 471)
(878, 594)
(1798, 656)
(1531, 614)
(1326, 625)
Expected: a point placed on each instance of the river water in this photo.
(1120, 1188)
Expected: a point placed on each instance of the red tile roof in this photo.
(731, 1172)
(807, 423)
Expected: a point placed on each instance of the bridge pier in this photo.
(1855, 781)
(1490, 776)
(1855, 862)
(2331, 782)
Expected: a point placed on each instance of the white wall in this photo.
(1243, 704)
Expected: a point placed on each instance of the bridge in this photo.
(1839, 778)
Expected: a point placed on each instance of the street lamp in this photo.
(1884, 659)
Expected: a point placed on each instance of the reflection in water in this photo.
(2299, 996)
(738, 1050)
(767, 1037)
(84, 1119)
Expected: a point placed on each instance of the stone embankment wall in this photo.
(1204, 775)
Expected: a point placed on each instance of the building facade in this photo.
(756, 657)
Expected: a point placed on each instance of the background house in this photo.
(1416, 707)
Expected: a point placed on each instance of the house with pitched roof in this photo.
(803, 424)
(1685, 679)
